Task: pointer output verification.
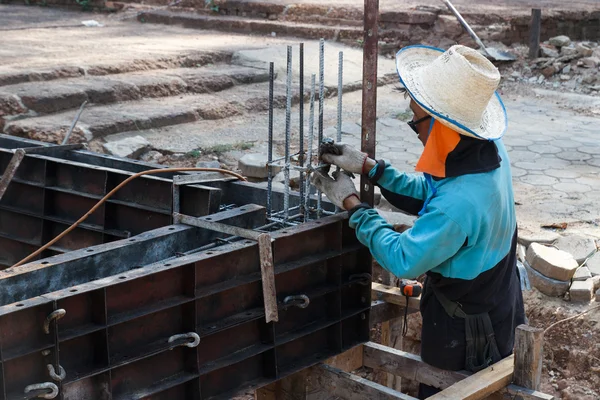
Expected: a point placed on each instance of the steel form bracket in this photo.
(265, 249)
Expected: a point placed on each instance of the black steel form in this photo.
(133, 307)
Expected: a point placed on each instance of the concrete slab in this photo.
(552, 263)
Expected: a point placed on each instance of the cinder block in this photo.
(552, 263)
(582, 291)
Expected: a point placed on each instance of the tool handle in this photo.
(464, 23)
(411, 288)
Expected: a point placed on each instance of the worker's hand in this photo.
(346, 157)
(337, 190)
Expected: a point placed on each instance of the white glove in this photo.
(347, 158)
(337, 190)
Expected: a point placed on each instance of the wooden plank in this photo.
(351, 387)
(349, 360)
(394, 296)
(382, 311)
(411, 366)
(482, 384)
(529, 343)
(408, 366)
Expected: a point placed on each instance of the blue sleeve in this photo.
(401, 183)
(433, 239)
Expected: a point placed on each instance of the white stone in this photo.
(560, 41)
(526, 237)
(582, 291)
(582, 274)
(152, 156)
(584, 50)
(579, 247)
(593, 264)
(567, 69)
(568, 51)
(565, 78)
(549, 52)
(131, 147)
(552, 263)
(254, 165)
(548, 286)
(590, 62)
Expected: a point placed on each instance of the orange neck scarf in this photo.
(442, 140)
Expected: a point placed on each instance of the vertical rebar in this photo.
(301, 127)
(288, 111)
(339, 104)
(321, 101)
(270, 142)
(311, 123)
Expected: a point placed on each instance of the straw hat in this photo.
(457, 87)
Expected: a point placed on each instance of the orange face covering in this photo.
(442, 140)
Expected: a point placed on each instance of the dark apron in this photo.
(481, 347)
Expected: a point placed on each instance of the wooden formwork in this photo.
(515, 377)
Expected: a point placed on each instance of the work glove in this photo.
(337, 190)
(344, 156)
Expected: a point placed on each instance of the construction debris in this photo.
(552, 263)
(578, 246)
(131, 147)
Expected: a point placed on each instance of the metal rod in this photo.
(369, 92)
(275, 160)
(270, 142)
(321, 101)
(288, 111)
(301, 127)
(68, 135)
(311, 134)
(339, 105)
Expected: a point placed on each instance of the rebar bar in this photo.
(301, 127)
(288, 111)
(339, 104)
(311, 134)
(321, 101)
(270, 141)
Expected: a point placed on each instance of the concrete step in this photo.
(101, 120)
(187, 60)
(348, 34)
(55, 96)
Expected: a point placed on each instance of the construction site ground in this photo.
(198, 96)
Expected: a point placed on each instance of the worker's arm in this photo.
(433, 239)
(389, 178)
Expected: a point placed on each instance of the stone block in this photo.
(582, 291)
(552, 263)
(579, 247)
(548, 286)
(549, 51)
(560, 41)
(208, 164)
(582, 274)
(568, 51)
(590, 62)
(584, 50)
(255, 166)
(526, 238)
(594, 264)
(131, 147)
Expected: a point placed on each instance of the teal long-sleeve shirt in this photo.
(465, 228)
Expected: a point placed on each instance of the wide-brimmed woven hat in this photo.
(457, 87)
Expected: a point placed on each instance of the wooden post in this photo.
(529, 352)
(534, 33)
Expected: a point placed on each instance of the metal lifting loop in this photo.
(43, 386)
(60, 377)
(300, 300)
(361, 279)
(192, 335)
(54, 315)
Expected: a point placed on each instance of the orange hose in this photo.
(111, 193)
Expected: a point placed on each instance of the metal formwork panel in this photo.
(127, 299)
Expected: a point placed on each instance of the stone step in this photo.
(102, 120)
(349, 34)
(188, 60)
(55, 96)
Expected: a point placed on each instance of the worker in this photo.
(465, 236)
